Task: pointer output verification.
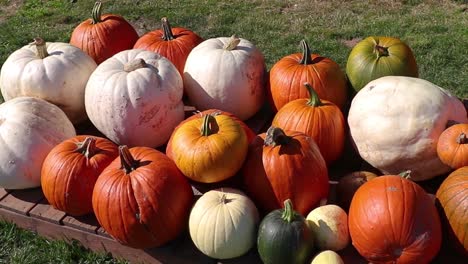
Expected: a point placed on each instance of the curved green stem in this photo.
(306, 56)
(276, 136)
(462, 138)
(167, 30)
(96, 13)
(405, 174)
(288, 212)
(314, 99)
(87, 147)
(129, 164)
(208, 126)
(41, 47)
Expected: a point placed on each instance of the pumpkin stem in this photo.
(382, 51)
(462, 138)
(87, 147)
(135, 64)
(405, 174)
(209, 126)
(232, 43)
(129, 164)
(276, 136)
(96, 13)
(306, 57)
(314, 99)
(288, 213)
(41, 47)
(167, 30)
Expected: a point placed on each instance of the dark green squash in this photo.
(284, 237)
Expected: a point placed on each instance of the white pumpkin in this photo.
(223, 223)
(226, 74)
(327, 257)
(135, 98)
(395, 123)
(329, 225)
(29, 129)
(54, 71)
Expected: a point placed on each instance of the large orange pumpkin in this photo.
(71, 169)
(288, 75)
(285, 165)
(393, 220)
(452, 196)
(322, 120)
(209, 148)
(141, 199)
(103, 36)
(452, 147)
(173, 43)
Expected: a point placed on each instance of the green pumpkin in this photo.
(375, 57)
(284, 237)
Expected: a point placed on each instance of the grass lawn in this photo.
(436, 30)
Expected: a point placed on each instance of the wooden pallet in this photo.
(30, 210)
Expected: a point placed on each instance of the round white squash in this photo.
(329, 225)
(223, 223)
(395, 123)
(327, 257)
(135, 98)
(29, 129)
(226, 74)
(54, 71)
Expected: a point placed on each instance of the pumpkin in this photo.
(329, 225)
(395, 123)
(375, 57)
(223, 223)
(348, 185)
(283, 237)
(226, 74)
(29, 129)
(452, 147)
(54, 71)
(209, 149)
(452, 199)
(135, 98)
(327, 257)
(141, 199)
(284, 165)
(322, 120)
(103, 36)
(173, 43)
(393, 220)
(289, 73)
(71, 169)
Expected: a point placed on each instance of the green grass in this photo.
(436, 30)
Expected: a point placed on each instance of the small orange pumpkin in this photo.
(452, 147)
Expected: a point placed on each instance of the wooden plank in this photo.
(22, 201)
(87, 223)
(3, 193)
(44, 211)
(250, 257)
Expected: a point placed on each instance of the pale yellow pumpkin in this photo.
(327, 257)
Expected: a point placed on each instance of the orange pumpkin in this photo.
(288, 75)
(209, 149)
(321, 120)
(452, 196)
(71, 169)
(285, 165)
(141, 199)
(452, 147)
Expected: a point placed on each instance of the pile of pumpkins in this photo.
(132, 89)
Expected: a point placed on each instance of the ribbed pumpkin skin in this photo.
(148, 206)
(104, 39)
(176, 49)
(452, 146)
(393, 220)
(452, 197)
(288, 75)
(364, 63)
(295, 171)
(325, 124)
(68, 176)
